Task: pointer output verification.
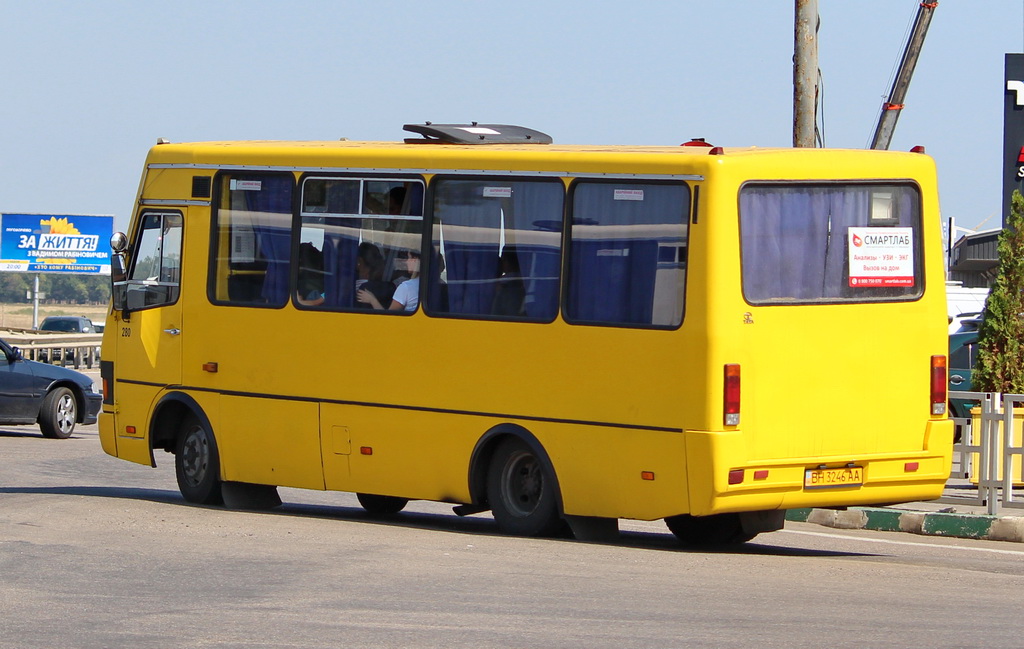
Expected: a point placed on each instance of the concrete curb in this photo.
(964, 526)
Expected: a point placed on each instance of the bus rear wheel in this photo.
(197, 464)
(382, 504)
(521, 491)
(708, 531)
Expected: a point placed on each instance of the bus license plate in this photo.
(847, 476)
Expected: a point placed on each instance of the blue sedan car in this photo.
(55, 398)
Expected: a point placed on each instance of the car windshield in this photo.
(60, 325)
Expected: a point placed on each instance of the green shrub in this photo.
(1000, 363)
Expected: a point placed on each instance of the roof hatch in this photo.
(475, 133)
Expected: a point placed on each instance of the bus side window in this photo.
(252, 246)
(627, 260)
(497, 248)
(351, 231)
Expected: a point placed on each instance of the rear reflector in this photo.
(736, 476)
(939, 385)
(910, 467)
(732, 394)
(647, 475)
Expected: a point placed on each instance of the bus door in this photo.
(149, 329)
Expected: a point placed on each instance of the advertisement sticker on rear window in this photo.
(881, 256)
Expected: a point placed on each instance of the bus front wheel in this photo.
(197, 464)
(707, 531)
(521, 491)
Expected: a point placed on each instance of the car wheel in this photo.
(382, 504)
(58, 414)
(197, 464)
(521, 491)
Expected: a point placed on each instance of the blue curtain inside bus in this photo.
(794, 239)
(618, 273)
(497, 244)
(271, 205)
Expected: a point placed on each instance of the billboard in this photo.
(55, 243)
(1013, 128)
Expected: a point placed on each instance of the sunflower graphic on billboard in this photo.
(56, 225)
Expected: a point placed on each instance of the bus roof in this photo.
(809, 163)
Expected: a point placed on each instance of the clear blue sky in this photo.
(87, 87)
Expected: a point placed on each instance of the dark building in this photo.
(974, 259)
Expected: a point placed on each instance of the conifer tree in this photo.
(1000, 363)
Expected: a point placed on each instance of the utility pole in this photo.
(805, 72)
(891, 108)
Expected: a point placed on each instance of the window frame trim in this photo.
(920, 276)
(215, 207)
(430, 217)
(688, 183)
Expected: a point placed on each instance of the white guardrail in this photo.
(54, 347)
(991, 460)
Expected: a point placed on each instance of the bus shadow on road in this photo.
(442, 522)
(484, 525)
(129, 493)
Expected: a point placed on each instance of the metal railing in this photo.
(54, 347)
(985, 456)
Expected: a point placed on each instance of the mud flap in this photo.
(762, 521)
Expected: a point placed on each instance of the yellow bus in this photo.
(562, 335)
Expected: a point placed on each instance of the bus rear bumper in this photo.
(723, 479)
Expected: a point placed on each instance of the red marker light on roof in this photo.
(716, 151)
(697, 141)
(917, 149)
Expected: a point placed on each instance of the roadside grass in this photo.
(19, 315)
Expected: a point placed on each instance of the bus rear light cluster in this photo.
(732, 394)
(938, 377)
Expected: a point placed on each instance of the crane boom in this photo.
(892, 107)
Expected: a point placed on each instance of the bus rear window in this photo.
(832, 242)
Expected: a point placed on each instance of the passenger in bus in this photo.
(370, 276)
(310, 290)
(407, 295)
(510, 292)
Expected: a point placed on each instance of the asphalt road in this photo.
(96, 552)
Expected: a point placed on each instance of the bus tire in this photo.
(382, 505)
(197, 464)
(521, 491)
(58, 414)
(708, 531)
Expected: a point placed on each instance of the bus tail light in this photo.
(938, 385)
(732, 394)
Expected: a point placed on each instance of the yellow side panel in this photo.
(407, 453)
(601, 471)
(134, 408)
(269, 441)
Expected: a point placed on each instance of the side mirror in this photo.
(118, 242)
(118, 276)
(16, 355)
